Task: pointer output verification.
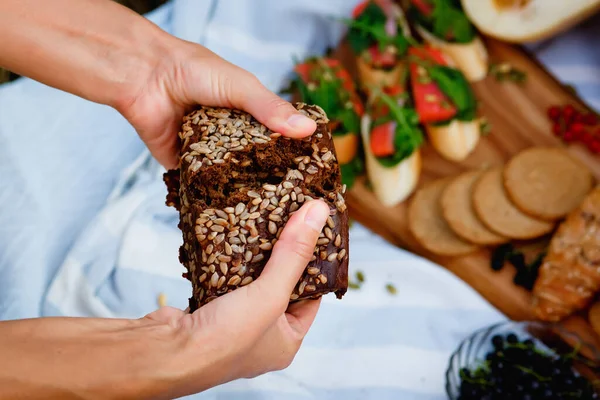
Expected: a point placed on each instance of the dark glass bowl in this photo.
(550, 337)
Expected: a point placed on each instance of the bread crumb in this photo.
(162, 300)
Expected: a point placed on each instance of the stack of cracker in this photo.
(523, 199)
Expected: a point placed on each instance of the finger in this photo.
(301, 315)
(225, 84)
(270, 293)
(255, 307)
(250, 95)
(292, 253)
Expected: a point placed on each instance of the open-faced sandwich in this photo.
(379, 36)
(325, 82)
(444, 25)
(391, 140)
(445, 103)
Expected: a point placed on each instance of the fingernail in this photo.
(317, 214)
(301, 122)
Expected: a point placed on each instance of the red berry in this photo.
(577, 135)
(554, 113)
(595, 147)
(568, 136)
(587, 139)
(557, 129)
(568, 110)
(568, 119)
(576, 127)
(590, 119)
(579, 118)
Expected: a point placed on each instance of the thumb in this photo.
(269, 109)
(256, 306)
(293, 252)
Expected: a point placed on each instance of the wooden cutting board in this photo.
(518, 114)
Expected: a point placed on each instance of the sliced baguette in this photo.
(390, 185)
(470, 58)
(372, 77)
(456, 140)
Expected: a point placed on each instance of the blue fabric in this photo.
(84, 230)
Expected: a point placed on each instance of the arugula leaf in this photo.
(359, 40)
(451, 23)
(328, 92)
(369, 29)
(454, 84)
(407, 136)
(447, 21)
(360, 34)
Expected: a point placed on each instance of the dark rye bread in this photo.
(236, 187)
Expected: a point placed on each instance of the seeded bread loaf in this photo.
(236, 187)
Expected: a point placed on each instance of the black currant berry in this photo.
(512, 338)
(498, 342)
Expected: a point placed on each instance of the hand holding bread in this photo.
(252, 330)
(194, 75)
(110, 55)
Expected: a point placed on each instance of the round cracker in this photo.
(547, 182)
(498, 213)
(428, 226)
(457, 209)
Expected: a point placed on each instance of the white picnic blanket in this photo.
(84, 230)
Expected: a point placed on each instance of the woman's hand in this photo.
(252, 330)
(105, 53)
(101, 51)
(170, 353)
(190, 74)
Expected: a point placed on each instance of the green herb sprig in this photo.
(485, 127)
(328, 92)
(448, 21)
(408, 137)
(505, 72)
(369, 29)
